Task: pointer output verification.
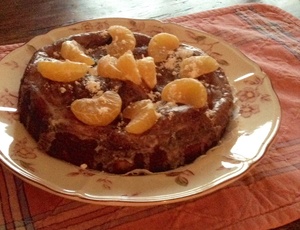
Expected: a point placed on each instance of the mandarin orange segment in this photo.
(62, 71)
(147, 69)
(196, 66)
(98, 111)
(142, 122)
(127, 65)
(186, 91)
(122, 40)
(73, 51)
(143, 116)
(134, 108)
(107, 67)
(161, 44)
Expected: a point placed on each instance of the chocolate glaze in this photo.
(181, 134)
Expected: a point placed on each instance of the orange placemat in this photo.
(267, 197)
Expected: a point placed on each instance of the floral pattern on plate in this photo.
(250, 97)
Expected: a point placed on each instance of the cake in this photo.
(116, 100)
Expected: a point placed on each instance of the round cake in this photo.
(117, 100)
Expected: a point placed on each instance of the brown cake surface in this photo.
(180, 134)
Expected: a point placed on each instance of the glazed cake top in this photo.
(128, 75)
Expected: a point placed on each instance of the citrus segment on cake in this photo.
(147, 70)
(98, 111)
(73, 51)
(161, 45)
(134, 108)
(62, 71)
(107, 67)
(128, 67)
(122, 40)
(196, 66)
(142, 115)
(186, 91)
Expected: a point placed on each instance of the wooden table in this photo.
(21, 20)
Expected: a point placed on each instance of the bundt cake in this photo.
(117, 100)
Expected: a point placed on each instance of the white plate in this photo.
(256, 120)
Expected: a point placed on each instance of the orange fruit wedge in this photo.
(107, 67)
(134, 108)
(196, 66)
(62, 71)
(147, 70)
(143, 116)
(99, 111)
(161, 44)
(122, 40)
(127, 65)
(186, 91)
(73, 51)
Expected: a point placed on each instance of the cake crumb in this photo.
(93, 86)
(83, 166)
(62, 89)
(154, 95)
(56, 54)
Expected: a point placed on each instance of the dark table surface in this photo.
(21, 20)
